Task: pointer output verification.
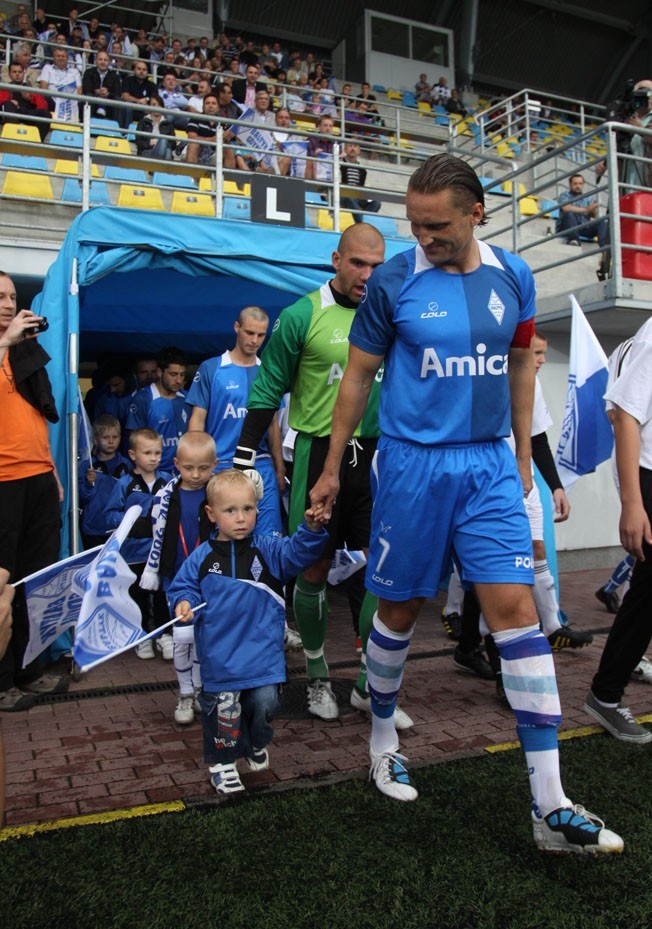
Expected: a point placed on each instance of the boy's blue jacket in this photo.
(94, 497)
(239, 634)
(130, 490)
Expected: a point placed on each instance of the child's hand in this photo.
(90, 476)
(314, 517)
(183, 611)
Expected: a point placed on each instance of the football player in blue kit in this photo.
(161, 406)
(453, 318)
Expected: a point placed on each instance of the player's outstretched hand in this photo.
(324, 494)
(315, 518)
(256, 480)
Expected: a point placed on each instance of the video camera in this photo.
(628, 104)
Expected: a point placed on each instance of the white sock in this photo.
(545, 781)
(545, 598)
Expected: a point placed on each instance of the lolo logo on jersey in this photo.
(338, 336)
(215, 569)
(433, 312)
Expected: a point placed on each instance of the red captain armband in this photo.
(524, 334)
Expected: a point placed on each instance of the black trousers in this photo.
(632, 628)
(30, 523)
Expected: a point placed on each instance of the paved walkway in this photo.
(112, 743)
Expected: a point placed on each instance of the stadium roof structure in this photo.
(583, 49)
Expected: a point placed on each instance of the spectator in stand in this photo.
(454, 104)
(190, 50)
(247, 159)
(353, 174)
(22, 57)
(294, 68)
(197, 100)
(440, 92)
(244, 91)
(119, 35)
(163, 140)
(74, 58)
(370, 99)
(102, 82)
(316, 75)
(156, 51)
(321, 149)
(136, 88)
(204, 48)
(94, 31)
(175, 100)
(575, 209)
(316, 107)
(423, 90)
(247, 55)
(16, 105)
(201, 133)
(294, 100)
(277, 53)
(73, 23)
(39, 23)
(62, 77)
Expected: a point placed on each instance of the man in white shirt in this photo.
(60, 76)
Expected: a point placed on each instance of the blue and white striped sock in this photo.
(531, 687)
(387, 653)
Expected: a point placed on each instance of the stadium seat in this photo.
(20, 132)
(384, 224)
(130, 136)
(528, 206)
(236, 208)
(66, 137)
(380, 89)
(72, 192)
(126, 175)
(424, 107)
(195, 204)
(409, 99)
(325, 220)
(140, 198)
(65, 127)
(63, 166)
(105, 127)
(230, 187)
(161, 179)
(441, 120)
(206, 183)
(507, 187)
(110, 144)
(395, 95)
(310, 223)
(32, 186)
(312, 196)
(181, 134)
(24, 162)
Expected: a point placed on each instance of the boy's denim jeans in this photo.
(237, 721)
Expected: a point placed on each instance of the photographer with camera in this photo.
(30, 492)
(636, 172)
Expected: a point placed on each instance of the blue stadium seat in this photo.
(550, 208)
(67, 139)
(24, 162)
(125, 175)
(99, 195)
(409, 99)
(380, 89)
(384, 224)
(236, 208)
(109, 127)
(312, 196)
(161, 179)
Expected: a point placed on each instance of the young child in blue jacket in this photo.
(239, 633)
(97, 480)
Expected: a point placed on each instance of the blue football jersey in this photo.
(168, 417)
(446, 340)
(222, 389)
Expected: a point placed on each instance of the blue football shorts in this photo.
(432, 503)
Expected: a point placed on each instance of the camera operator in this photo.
(30, 492)
(636, 171)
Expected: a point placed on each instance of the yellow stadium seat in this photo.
(181, 133)
(105, 143)
(20, 132)
(507, 187)
(346, 220)
(324, 220)
(21, 184)
(528, 206)
(424, 107)
(189, 202)
(394, 95)
(206, 183)
(63, 166)
(503, 150)
(65, 127)
(230, 187)
(140, 198)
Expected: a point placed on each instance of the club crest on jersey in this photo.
(256, 568)
(338, 336)
(496, 307)
(433, 312)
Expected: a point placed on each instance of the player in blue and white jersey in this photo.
(162, 405)
(453, 318)
(218, 397)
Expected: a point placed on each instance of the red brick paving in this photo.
(110, 752)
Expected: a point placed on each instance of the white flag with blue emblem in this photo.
(586, 437)
(109, 620)
(53, 602)
(84, 432)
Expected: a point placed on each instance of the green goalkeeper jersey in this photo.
(307, 355)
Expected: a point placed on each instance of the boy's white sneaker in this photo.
(225, 779)
(184, 712)
(165, 647)
(292, 640)
(259, 760)
(145, 650)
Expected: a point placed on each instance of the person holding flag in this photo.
(631, 400)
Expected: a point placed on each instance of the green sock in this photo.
(367, 613)
(311, 613)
